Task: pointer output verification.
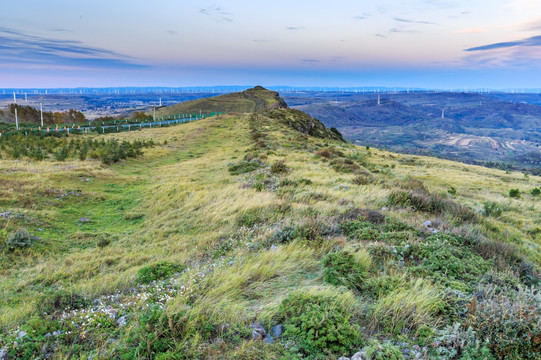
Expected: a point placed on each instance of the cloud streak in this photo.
(532, 41)
(413, 21)
(18, 47)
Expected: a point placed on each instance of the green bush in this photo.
(514, 193)
(344, 269)
(243, 167)
(491, 208)
(278, 167)
(382, 351)
(58, 301)
(535, 191)
(158, 271)
(319, 324)
(510, 322)
(20, 239)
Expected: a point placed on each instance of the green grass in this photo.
(248, 240)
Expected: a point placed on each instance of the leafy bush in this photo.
(343, 165)
(158, 271)
(382, 351)
(346, 269)
(491, 208)
(457, 342)
(320, 324)
(283, 235)
(243, 167)
(514, 193)
(510, 322)
(20, 239)
(535, 191)
(58, 301)
(364, 178)
(278, 167)
(378, 286)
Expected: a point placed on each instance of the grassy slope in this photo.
(179, 203)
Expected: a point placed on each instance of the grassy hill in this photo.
(247, 221)
(248, 101)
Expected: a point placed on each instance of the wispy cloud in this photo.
(362, 16)
(294, 28)
(16, 46)
(218, 13)
(310, 61)
(532, 41)
(414, 21)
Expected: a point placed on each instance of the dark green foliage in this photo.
(158, 271)
(20, 239)
(535, 191)
(151, 337)
(364, 178)
(491, 208)
(514, 193)
(451, 191)
(343, 269)
(477, 352)
(243, 167)
(278, 167)
(319, 325)
(379, 286)
(382, 351)
(38, 146)
(58, 301)
(448, 260)
(346, 166)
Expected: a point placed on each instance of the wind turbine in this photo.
(41, 109)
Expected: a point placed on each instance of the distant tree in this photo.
(139, 115)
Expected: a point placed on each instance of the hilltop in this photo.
(248, 101)
(263, 235)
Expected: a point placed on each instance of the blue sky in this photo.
(422, 43)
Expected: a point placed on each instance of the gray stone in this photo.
(21, 334)
(274, 248)
(427, 223)
(84, 220)
(3, 354)
(57, 333)
(361, 355)
(258, 331)
(269, 339)
(277, 331)
(122, 321)
(343, 358)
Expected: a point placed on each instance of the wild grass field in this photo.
(241, 237)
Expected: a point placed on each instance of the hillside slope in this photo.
(239, 226)
(248, 101)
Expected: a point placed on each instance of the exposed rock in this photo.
(274, 248)
(21, 334)
(427, 223)
(269, 339)
(111, 312)
(122, 321)
(277, 331)
(84, 220)
(343, 358)
(3, 354)
(258, 331)
(361, 355)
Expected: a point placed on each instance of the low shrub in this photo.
(243, 167)
(535, 191)
(20, 239)
(346, 166)
(158, 271)
(491, 208)
(378, 286)
(364, 178)
(278, 167)
(320, 324)
(345, 268)
(510, 322)
(382, 351)
(58, 301)
(514, 193)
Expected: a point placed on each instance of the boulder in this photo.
(361, 355)
(277, 331)
(258, 331)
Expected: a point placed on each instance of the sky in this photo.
(349, 43)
